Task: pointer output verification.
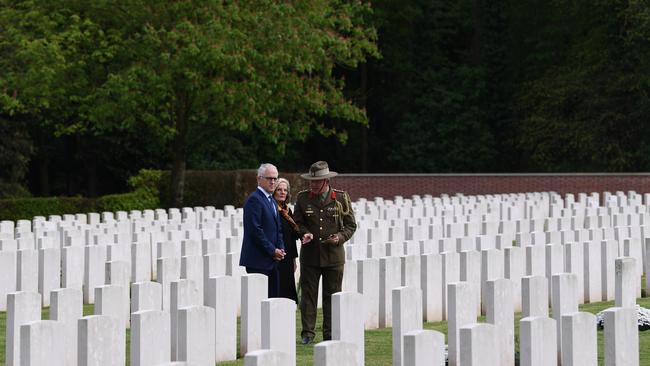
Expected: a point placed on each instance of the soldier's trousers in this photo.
(309, 277)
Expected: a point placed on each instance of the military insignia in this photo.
(309, 210)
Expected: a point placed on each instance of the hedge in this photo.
(151, 189)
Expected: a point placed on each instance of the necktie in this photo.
(272, 202)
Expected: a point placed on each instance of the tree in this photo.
(177, 68)
(586, 109)
(428, 91)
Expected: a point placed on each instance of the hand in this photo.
(332, 240)
(278, 255)
(307, 238)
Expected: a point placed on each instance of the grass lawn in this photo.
(379, 342)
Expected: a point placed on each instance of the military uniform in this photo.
(322, 215)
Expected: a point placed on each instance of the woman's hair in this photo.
(285, 181)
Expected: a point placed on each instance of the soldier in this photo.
(326, 221)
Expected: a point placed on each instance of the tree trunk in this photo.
(178, 173)
(364, 129)
(91, 170)
(179, 156)
(43, 164)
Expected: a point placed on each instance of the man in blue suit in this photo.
(263, 247)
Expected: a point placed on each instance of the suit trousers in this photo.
(273, 279)
(309, 278)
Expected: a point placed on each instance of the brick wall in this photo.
(390, 185)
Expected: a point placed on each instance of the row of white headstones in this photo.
(411, 260)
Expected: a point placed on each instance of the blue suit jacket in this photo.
(262, 233)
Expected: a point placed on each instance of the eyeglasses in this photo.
(270, 179)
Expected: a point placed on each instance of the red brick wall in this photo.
(390, 185)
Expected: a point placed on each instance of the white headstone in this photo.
(368, 286)
(407, 316)
(514, 270)
(146, 295)
(626, 282)
(169, 269)
(500, 311)
(254, 289)
(8, 277)
(538, 344)
(150, 338)
(41, 343)
(621, 337)
(192, 269)
(608, 255)
(102, 341)
(279, 326)
(67, 309)
(389, 278)
(219, 296)
(535, 260)
(592, 272)
(350, 281)
(265, 357)
(534, 292)
(347, 326)
(94, 271)
(183, 293)
(27, 275)
(574, 263)
(579, 340)
(563, 301)
(477, 345)
(431, 282)
(196, 335)
(141, 262)
(424, 347)
(49, 272)
(335, 353)
(110, 301)
(462, 311)
(470, 272)
(22, 308)
(450, 274)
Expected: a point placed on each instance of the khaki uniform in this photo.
(322, 218)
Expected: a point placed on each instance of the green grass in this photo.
(378, 343)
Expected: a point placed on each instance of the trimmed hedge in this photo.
(144, 196)
(26, 208)
(151, 190)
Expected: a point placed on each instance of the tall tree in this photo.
(586, 107)
(175, 68)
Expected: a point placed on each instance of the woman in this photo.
(290, 230)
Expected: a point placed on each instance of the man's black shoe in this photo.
(307, 340)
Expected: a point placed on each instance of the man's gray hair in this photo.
(263, 168)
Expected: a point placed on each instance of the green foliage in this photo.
(15, 151)
(587, 108)
(433, 108)
(138, 200)
(175, 68)
(26, 208)
(147, 180)
(144, 196)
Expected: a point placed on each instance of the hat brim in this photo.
(329, 175)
